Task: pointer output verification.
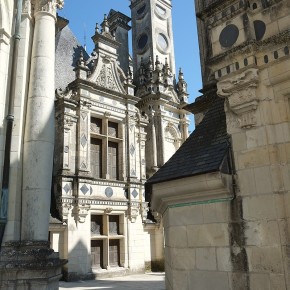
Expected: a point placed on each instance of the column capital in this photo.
(49, 6)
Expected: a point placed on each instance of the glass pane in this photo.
(112, 129)
(96, 125)
(96, 225)
(114, 225)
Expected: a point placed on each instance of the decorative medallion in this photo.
(66, 149)
(84, 115)
(84, 140)
(83, 165)
(132, 150)
(67, 188)
(109, 192)
(134, 193)
(84, 189)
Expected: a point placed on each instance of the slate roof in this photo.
(67, 50)
(203, 151)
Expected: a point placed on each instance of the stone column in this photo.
(39, 129)
(30, 263)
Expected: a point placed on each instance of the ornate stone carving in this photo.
(108, 210)
(27, 7)
(49, 6)
(144, 211)
(133, 211)
(64, 206)
(157, 216)
(81, 210)
(241, 94)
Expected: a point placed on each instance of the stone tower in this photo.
(162, 98)
(230, 227)
(152, 31)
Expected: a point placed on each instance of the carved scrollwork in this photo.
(241, 94)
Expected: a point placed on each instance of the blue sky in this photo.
(84, 14)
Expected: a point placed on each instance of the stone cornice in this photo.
(196, 189)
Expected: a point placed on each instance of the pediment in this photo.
(106, 74)
(170, 92)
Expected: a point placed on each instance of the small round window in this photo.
(162, 41)
(229, 35)
(160, 10)
(141, 10)
(142, 41)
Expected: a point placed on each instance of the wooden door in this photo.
(97, 253)
(114, 253)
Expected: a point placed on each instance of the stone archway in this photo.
(172, 140)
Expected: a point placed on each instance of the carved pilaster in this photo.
(84, 135)
(240, 92)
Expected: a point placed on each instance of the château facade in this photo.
(80, 135)
(118, 120)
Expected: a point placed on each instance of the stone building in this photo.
(118, 120)
(224, 195)
(112, 123)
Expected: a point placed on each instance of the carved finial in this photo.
(150, 63)
(182, 87)
(130, 75)
(166, 62)
(81, 61)
(157, 63)
(105, 24)
(180, 76)
(97, 29)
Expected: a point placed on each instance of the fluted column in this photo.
(39, 128)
